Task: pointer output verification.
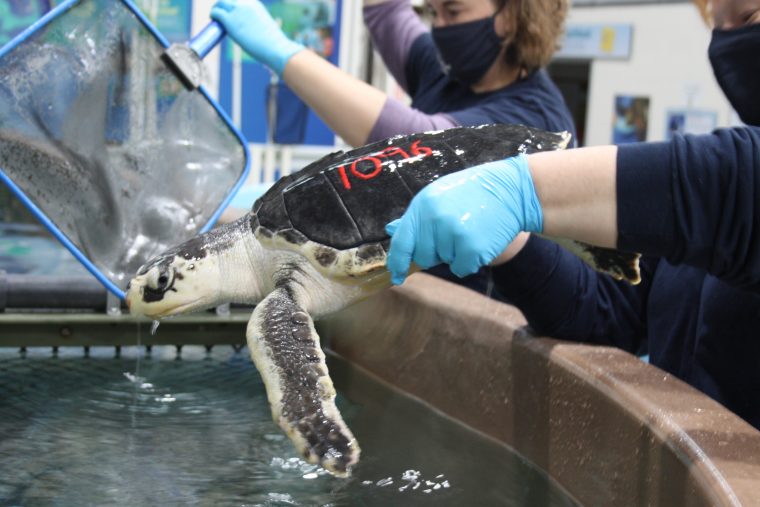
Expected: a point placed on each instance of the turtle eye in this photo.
(159, 278)
(158, 282)
(165, 277)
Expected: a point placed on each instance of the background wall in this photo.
(668, 64)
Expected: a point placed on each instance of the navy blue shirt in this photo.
(534, 101)
(693, 206)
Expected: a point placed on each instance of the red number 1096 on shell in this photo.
(369, 166)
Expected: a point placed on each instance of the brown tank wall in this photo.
(608, 427)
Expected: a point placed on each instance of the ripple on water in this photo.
(76, 431)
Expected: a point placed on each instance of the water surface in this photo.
(104, 430)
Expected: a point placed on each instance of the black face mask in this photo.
(468, 49)
(735, 58)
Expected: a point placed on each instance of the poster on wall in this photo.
(607, 42)
(681, 121)
(17, 15)
(270, 111)
(630, 120)
(171, 17)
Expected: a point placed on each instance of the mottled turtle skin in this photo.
(314, 244)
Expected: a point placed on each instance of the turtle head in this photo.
(180, 280)
(193, 276)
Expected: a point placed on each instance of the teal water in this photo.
(196, 430)
(30, 249)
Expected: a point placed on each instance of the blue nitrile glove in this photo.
(465, 219)
(249, 24)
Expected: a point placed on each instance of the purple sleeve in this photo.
(399, 119)
(562, 297)
(695, 201)
(394, 26)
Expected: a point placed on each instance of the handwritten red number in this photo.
(393, 150)
(344, 177)
(420, 150)
(377, 167)
(367, 176)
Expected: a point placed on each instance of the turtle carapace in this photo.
(315, 243)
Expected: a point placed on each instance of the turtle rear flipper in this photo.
(619, 265)
(285, 348)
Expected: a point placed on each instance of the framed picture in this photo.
(269, 110)
(630, 119)
(689, 121)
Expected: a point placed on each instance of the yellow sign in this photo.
(607, 40)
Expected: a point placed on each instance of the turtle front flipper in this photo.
(285, 348)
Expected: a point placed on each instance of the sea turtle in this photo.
(313, 244)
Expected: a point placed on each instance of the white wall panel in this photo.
(668, 64)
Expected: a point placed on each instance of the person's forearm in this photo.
(514, 248)
(577, 192)
(349, 106)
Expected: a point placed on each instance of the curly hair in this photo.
(705, 10)
(538, 27)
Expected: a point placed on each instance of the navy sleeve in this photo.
(695, 201)
(535, 101)
(422, 64)
(514, 110)
(562, 297)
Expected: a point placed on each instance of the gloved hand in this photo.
(465, 219)
(249, 24)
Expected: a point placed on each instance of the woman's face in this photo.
(453, 12)
(728, 14)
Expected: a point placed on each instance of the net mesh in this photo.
(102, 136)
